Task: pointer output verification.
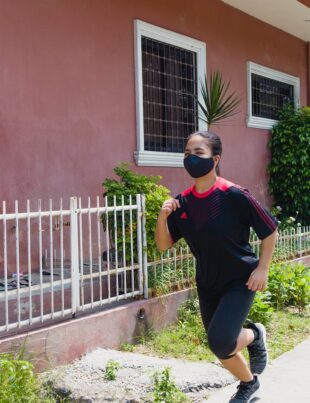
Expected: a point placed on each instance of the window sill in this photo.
(158, 159)
(260, 123)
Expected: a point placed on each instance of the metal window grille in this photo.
(169, 83)
(269, 96)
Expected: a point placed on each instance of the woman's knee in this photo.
(221, 345)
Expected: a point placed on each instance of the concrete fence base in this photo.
(63, 342)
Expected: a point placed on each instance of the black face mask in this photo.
(197, 166)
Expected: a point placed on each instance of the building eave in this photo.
(291, 16)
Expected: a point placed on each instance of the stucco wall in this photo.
(67, 90)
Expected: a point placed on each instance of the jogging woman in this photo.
(214, 216)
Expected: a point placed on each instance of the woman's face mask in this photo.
(198, 166)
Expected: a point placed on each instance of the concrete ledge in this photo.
(63, 342)
(304, 259)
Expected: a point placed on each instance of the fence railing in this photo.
(291, 243)
(175, 268)
(56, 262)
(172, 270)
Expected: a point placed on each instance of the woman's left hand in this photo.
(258, 279)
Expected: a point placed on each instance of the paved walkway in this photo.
(287, 380)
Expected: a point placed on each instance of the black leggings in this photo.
(223, 314)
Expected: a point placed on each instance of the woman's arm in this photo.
(259, 277)
(162, 235)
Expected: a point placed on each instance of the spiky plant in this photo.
(217, 104)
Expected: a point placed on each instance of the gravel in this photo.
(84, 379)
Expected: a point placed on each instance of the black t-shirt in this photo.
(216, 225)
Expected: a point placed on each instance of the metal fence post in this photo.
(144, 248)
(74, 242)
(139, 243)
(299, 243)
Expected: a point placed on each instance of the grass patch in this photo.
(284, 308)
(179, 341)
(187, 339)
(286, 330)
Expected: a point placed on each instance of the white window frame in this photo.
(264, 123)
(141, 28)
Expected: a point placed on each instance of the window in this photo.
(169, 111)
(268, 91)
(169, 67)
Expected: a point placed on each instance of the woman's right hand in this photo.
(168, 207)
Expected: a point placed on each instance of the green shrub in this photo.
(18, 381)
(285, 222)
(289, 285)
(131, 183)
(261, 310)
(299, 289)
(111, 369)
(165, 389)
(189, 320)
(278, 284)
(189, 308)
(289, 169)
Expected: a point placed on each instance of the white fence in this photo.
(58, 262)
(175, 269)
(291, 243)
(171, 270)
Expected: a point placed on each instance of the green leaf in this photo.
(217, 104)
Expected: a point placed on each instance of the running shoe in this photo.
(258, 353)
(246, 391)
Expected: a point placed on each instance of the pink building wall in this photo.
(67, 90)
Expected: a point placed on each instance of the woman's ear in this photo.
(217, 159)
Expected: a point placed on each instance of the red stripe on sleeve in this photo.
(260, 210)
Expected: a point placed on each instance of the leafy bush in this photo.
(278, 285)
(289, 169)
(189, 308)
(287, 222)
(261, 310)
(189, 319)
(289, 285)
(165, 389)
(111, 369)
(131, 183)
(18, 381)
(299, 290)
